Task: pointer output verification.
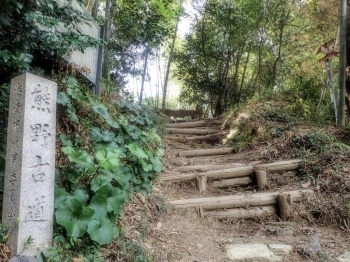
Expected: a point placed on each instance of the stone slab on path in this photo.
(281, 249)
(344, 258)
(257, 251)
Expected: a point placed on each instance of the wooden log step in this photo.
(281, 165)
(241, 213)
(177, 178)
(233, 182)
(192, 131)
(230, 172)
(206, 152)
(217, 137)
(187, 124)
(203, 168)
(235, 172)
(243, 200)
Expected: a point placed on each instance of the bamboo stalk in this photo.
(240, 181)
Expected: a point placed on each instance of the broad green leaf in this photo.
(63, 99)
(72, 82)
(159, 152)
(157, 164)
(95, 184)
(60, 196)
(115, 197)
(99, 204)
(123, 176)
(71, 114)
(73, 176)
(137, 151)
(108, 160)
(102, 230)
(137, 180)
(113, 123)
(74, 217)
(67, 150)
(81, 195)
(65, 141)
(102, 111)
(80, 157)
(98, 136)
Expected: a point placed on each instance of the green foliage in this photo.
(312, 141)
(30, 29)
(3, 233)
(123, 155)
(68, 249)
(4, 104)
(132, 251)
(2, 171)
(139, 25)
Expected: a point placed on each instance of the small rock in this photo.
(344, 258)
(199, 245)
(314, 245)
(280, 231)
(250, 251)
(23, 259)
(280, 249)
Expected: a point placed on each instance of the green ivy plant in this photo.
(124, 155)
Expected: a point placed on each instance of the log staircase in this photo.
(246, 205)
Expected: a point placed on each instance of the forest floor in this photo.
(317, 230)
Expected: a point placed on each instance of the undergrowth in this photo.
(295, 131)
(108, 149)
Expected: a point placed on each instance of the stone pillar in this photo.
(28, 203)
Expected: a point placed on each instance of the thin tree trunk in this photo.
(342, 62)
(95, 9)
(144, 74)
(280, 38)
(347, 81)
(90, 5)
(244, 70)
(169, 63)
(106, 36)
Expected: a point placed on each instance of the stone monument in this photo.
(28, 201)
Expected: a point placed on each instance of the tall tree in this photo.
(342, 62)
(166, 79)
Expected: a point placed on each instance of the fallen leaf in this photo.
(306, 185)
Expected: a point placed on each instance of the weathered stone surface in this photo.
(314, 245)
(239, 252)
(344, 258)
(280, 249)
(30, 164)
(23, 259)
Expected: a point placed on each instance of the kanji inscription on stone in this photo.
(30, 164)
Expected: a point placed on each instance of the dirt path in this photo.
(182, 235)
